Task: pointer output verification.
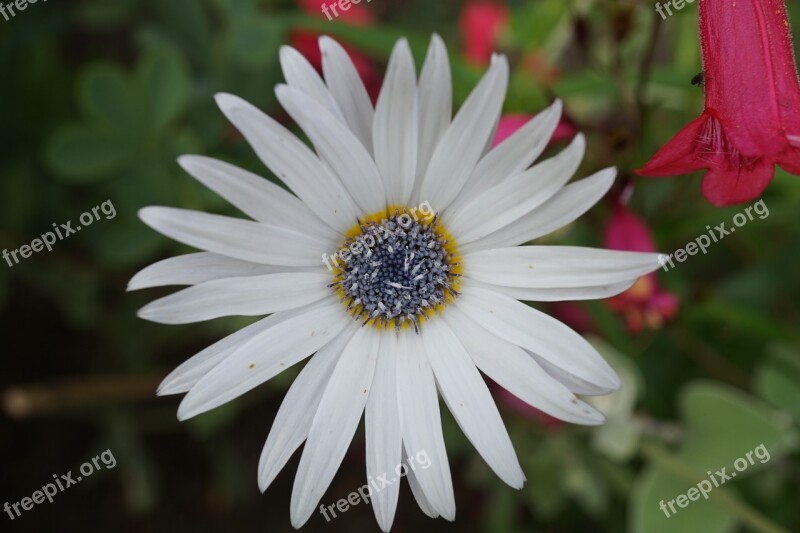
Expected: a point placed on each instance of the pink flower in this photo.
(751, 120)
(565, 130)
(307, 42)
(645, 304)
(481, 23)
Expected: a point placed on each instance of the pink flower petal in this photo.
(481, 23)
(729, 185)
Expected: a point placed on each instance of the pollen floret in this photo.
(401, 269)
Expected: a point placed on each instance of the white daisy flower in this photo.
(422, 226)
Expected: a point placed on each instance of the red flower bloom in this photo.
(751, 119)
(307, 42)
(481, 23)
(644, 304)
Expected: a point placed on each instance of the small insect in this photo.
(699, 80)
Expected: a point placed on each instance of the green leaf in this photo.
(81, 154)
(164, 79)
(778, 380)
(104, 93)
(723, 424)
(657, 484)
(724, 427)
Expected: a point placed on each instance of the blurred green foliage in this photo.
(98, 99)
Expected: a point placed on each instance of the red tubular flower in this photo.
(751, 119)
(358, 15)
(645, 304)
(481, 23)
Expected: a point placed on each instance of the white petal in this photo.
(565, 207)
(186, 376)
(571, 381)
(514, 154)
(248, 296)
(347, 89)
(552, 267)
(516, 196)
(237, 238)
(489, 141)
(462, 144)
(265, 355)
(419, 494)
(255, 196)
(302, 76)
(292, 162)
(396, 126)
(557, 294)
(382, 426)
(337, 146)
(435, 104)
(421, 424)
(537, 332)
(515, 370)
(470, 401)
(293, 421)
(335, 423)
(191, 269)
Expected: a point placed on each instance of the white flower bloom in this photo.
(427, 294)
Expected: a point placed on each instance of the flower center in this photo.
(399, 267)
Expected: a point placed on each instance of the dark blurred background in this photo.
(99, 97)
